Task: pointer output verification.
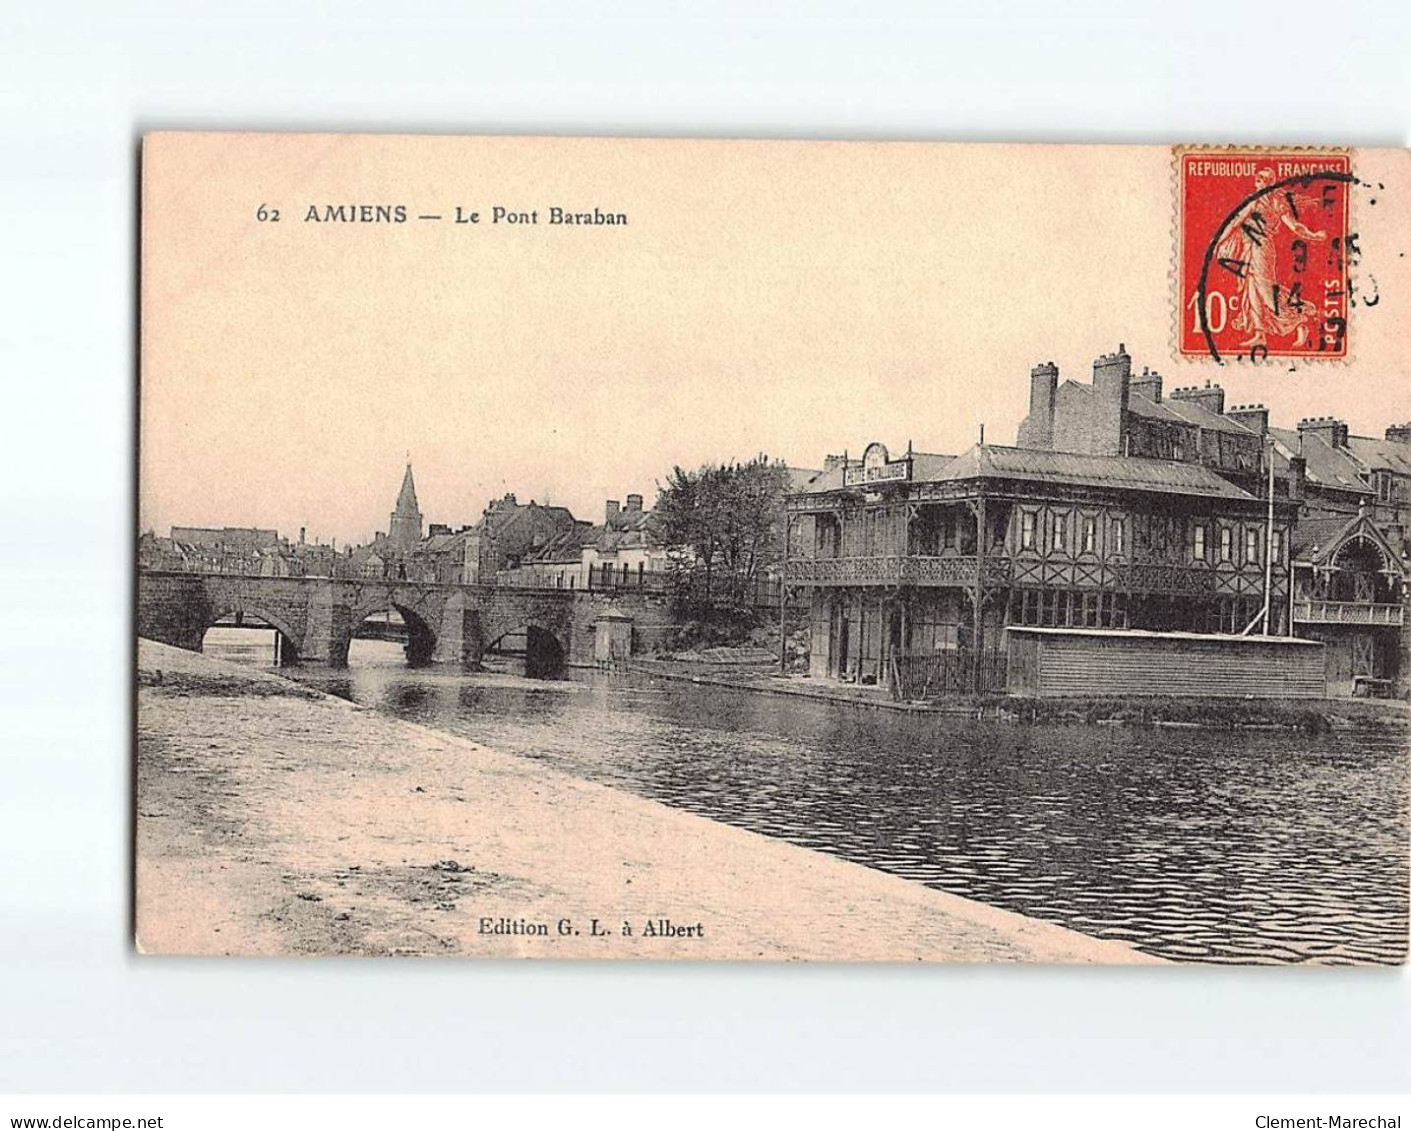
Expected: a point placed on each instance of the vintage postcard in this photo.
(649, 549)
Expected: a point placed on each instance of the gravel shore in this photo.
(274, 820)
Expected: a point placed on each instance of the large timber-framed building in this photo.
(1119, 511)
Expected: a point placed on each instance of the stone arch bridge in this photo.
(316, 616)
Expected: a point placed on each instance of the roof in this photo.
(1148, 634)
(1320, 531)
(440, 543)
(1138, 404)
(1131, 473)
(824, 481)
(624, 529)
(1317, 539)
(1382, 455)
(1327, 466)
(1193, 412)
(801, 477)
(928, 465)
(406, 497)
(563, 547)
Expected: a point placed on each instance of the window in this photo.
(1090, 609)
(1112, 610)
(1278, 545)
(1227, 540)
(948, 531)
(1198, 542)
(1026, 531)
(1089, 535)
(1251, 544)
(1060, 530)
(1119, 536)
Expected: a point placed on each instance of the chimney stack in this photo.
(634, 504)
(1329, 428)
(1112, 378)
(1148, 385)
(1298, 478)
(1036, 430)
(1399, 433)
(613, 507)
(1255, 417)
(1211, 398)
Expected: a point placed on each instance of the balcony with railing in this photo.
(895, 569)
(1348, 612)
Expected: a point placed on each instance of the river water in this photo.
(1208, 846)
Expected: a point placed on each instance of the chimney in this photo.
(634, 504)
(301, 535)
(1329, 428)
(613, 507)
(1399, 433)
(1112, 377)
(1255, 417)
(832, 463)
(1298, 478)
(1036, 430)
(1148, 385)
(1211, 398)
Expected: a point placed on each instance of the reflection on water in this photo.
(1206, 846)
(245, 645)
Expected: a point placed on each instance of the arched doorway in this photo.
(250, 637)
(1359, 573)
(527, 650)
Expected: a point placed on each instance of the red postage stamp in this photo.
(1263, 253)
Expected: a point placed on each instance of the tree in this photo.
(724, 522)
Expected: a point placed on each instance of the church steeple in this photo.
(406, 498)
(404, 529)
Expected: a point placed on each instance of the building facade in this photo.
(915, 566)
(1123, 508)
(509, 533)
(625, 550)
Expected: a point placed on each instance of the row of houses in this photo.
(1122, 508)
(524, 544)
(533, 545)
(241, 550)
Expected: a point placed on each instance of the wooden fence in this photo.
(952, 672)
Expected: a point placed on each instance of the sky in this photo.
(787, 298)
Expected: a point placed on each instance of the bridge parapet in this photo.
(446, 623)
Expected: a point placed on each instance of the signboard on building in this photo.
(877, 467)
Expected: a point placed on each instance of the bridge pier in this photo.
(459, 639)
(329, 627)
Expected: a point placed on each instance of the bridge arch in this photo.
(292, 641)
(420, 647)
(545, 651)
